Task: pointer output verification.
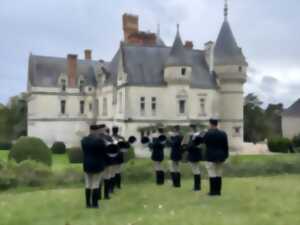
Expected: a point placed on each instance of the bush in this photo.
(30, 148)
(58, 148)
(5, 145)
(279, 145)
(296, 141)
(75, 155)
(129, 155)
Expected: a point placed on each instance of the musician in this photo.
(175, 142)
(93, 165)
(195, 154)
(157, 145)
(217, 152)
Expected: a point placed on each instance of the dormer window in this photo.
(183, 71)
(81, 86)
(63, 84)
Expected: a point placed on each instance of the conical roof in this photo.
(226, 51)
(177, 55)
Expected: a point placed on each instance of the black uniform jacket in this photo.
(120, 157)
(176, 148)
(93, 154)
(112, 150)
(157, 148)
(194, 151)
(216, 142)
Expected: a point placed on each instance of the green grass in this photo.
(245, 201)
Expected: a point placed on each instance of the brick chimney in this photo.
(130, 25)
(72, 70)
(88, 54)
(189, 44)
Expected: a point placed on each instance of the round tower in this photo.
(231, 68)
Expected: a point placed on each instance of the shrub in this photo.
(58, 148)
(7, 179)
(5, 145)
(75, 155)
(129, 155)
(296, 141)
(279, 145)
(31, 148)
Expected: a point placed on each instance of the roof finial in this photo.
(177, 27)
(226, 10)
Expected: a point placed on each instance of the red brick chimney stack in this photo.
(72, 70)
(189, 44)
(88, 54)
(130, 25)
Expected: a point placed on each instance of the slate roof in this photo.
(226, 50)
(293, 110)
(143, 64)
(177, 55)
(44, 71)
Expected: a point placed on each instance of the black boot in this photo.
(118, 180)
(197, 182)
(88, 198)
(162, 177)
(106, 189)
(95, 196)
(157, 173)
(178, 180)
(218, 185)
(173, 177)
(213, 186)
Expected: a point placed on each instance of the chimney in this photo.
(130, 25)
(88, 54)
(189, 44)
(72, 70)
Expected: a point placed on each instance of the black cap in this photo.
(192, 125)
(93, 127)
(213, 121)
(115, 129)
(100, 126)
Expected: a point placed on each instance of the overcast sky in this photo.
(268, 31)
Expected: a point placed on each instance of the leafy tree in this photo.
(273, 119)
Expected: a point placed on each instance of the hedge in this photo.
(58, 148)
(279, 145)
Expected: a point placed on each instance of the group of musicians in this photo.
(104, 156)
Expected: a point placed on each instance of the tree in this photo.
(273, 114)
(255, 128)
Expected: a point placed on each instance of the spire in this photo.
(177, 55)
(159, 41)
(226, 10)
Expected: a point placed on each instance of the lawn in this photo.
(256, 201)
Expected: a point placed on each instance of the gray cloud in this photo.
(265, 29)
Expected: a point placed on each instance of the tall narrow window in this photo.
(104, 112)
(63, 106)
(183, 71)
(182, 104)
(91, 106)
(63, 85)
(202, 106)
(81, 107)
(81, 86)
(97, 107)
(120, 102)
(142, 106)
(153, 106)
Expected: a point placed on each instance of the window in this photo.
(104, 112)
(91, 107)
(142, 106)
(202, 106)
(183, 71)
(153, 106)
(240, 69)
(81, 107)
(63, 84)
(97, 107)
(182, 106)
(120, 102)
(63, 106)
(237, 131)
(81, 86)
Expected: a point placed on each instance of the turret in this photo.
(178, 69)
(231, 67)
